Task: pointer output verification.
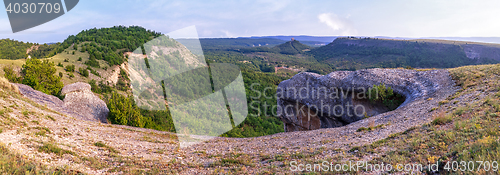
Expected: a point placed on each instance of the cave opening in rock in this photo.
(352, 106)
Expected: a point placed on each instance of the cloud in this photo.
(338, 24)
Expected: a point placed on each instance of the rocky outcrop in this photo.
(79, 98)
(79, 101)
(310, 101)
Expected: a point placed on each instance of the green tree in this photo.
(40, 75)
(123, 111)
(70, 68)
(83, 72)
(385, 95)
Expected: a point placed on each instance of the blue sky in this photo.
(393, 18)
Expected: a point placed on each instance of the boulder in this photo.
(79, 98)
(311, 101)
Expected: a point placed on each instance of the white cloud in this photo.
(339, 25)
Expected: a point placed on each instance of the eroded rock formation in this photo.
(79, 98)
(79, 101)
(310, 101)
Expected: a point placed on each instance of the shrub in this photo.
(123, 111)
(385, 95)
(93, 63)
(83, 72)
(70, 68)
(40, 75)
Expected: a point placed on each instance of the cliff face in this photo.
(310, 101)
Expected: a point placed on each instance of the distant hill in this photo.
(292, 48)
(288, 48)
(214, 43)
(374, 52)
(12, 49)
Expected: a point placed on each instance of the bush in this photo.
(83, 72)
(70, 68)
(123, 111)
(93, 63)
(385, 95)
(40, 75)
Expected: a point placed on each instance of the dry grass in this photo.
(440, 118)
(5, 84)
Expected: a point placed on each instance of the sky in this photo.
(244, 18)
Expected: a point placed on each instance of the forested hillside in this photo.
(289, 48)
(357, 53)
(12, 49)
(109, 44)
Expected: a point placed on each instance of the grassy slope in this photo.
(72, 60)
